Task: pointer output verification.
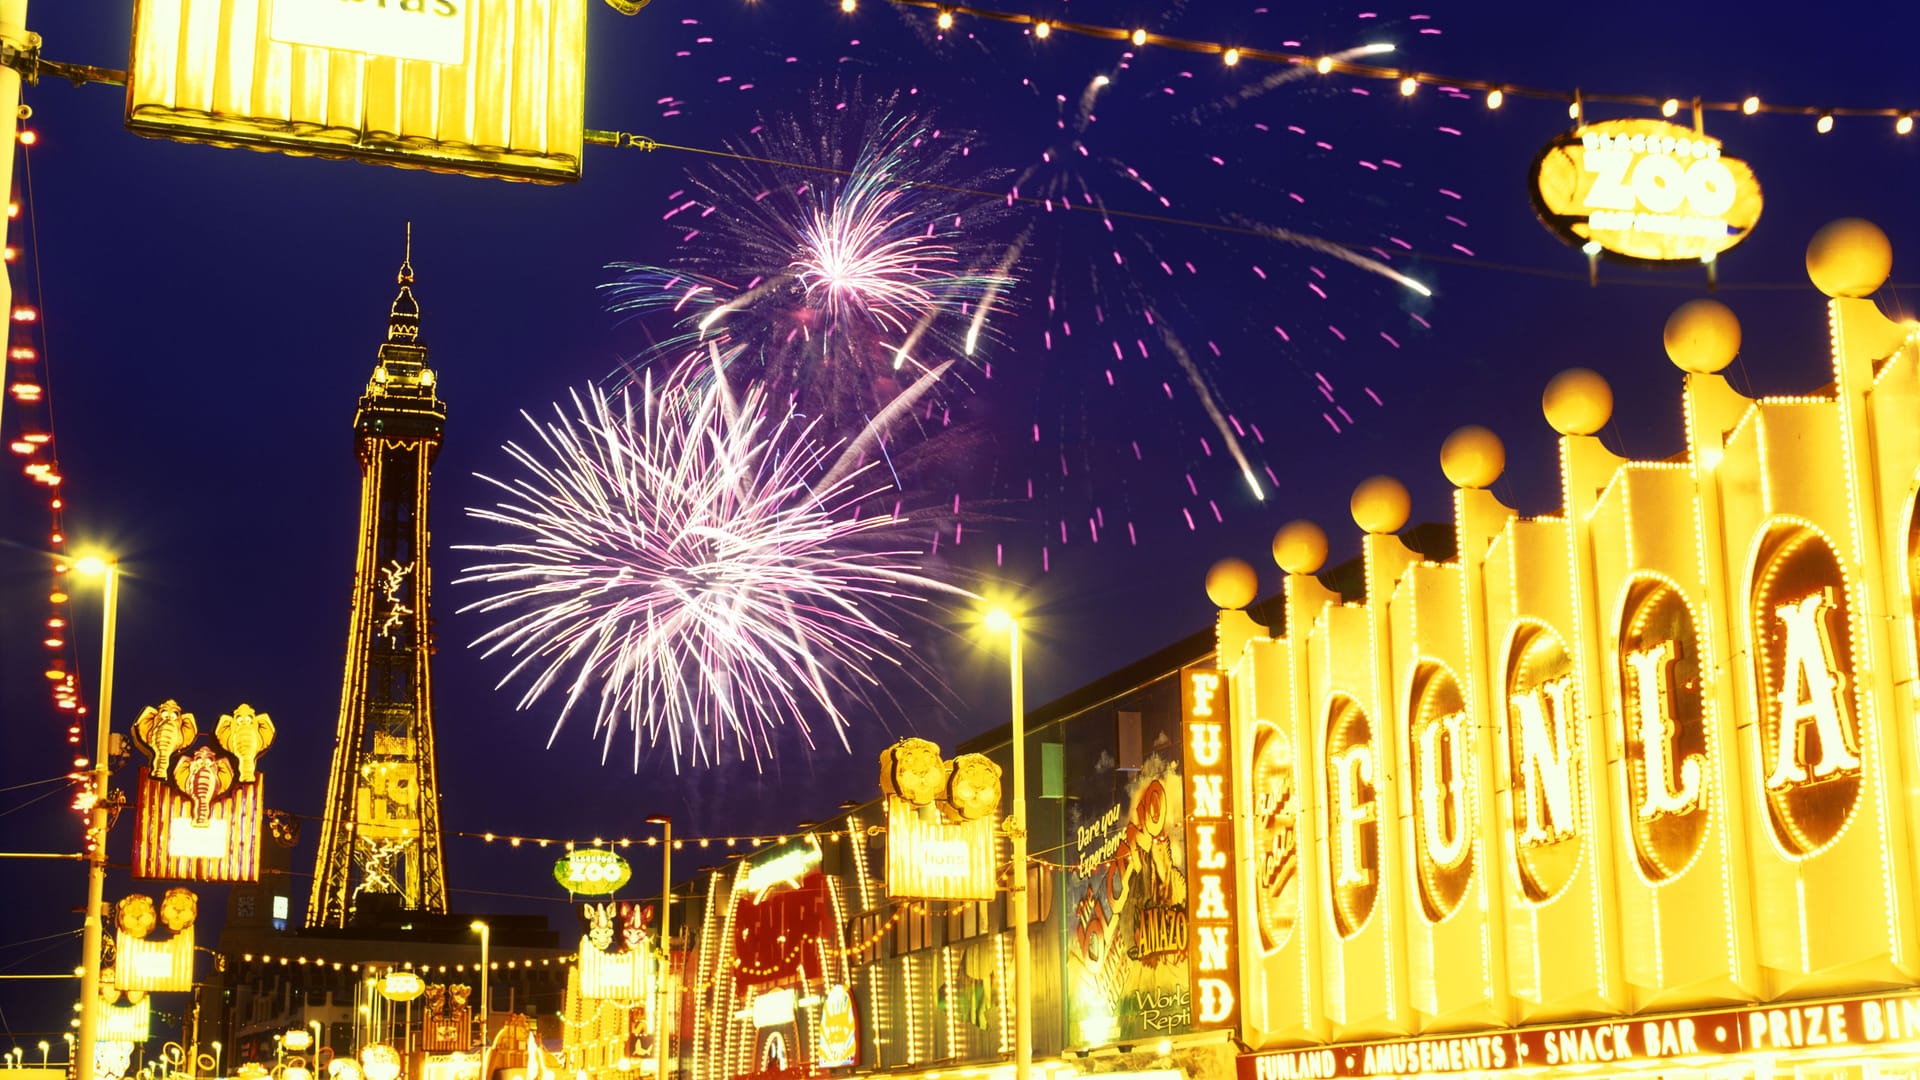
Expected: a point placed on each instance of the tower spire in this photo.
(403, 322)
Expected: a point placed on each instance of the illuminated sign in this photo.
(1650, 1040)
(591, 871)
(1645, 191)
(1441, 736)
(1665, 725)
(839, 1031)
(1213, 953)
(940, 814)
(1544, 747)
(786, 865)
(158, 965)
(481, 87)
(432, 30)
(1276, 855)
(200, 808)
(402, 986)
(1809, 735)
(1353, 818)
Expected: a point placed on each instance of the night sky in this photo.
(210, 318)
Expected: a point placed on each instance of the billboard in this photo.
(1128, 933)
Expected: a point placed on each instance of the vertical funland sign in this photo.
(1211, 910)
(1127, 969)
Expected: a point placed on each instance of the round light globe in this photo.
(1577, 401)
(1473, 457)
(1300, 547)
(1849, 257)
(1380, 504)
(1702, 336)
(1232, 584)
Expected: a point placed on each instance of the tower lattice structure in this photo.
(381, 834)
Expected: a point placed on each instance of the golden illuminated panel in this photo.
(1664, 723)
(1544, 746)
(1276, 836)
(1353, 816)
(1809, 742)
(1441, 734)
(228, 72)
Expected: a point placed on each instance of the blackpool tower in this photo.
(380, 841)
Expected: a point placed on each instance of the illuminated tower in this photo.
(381, 835)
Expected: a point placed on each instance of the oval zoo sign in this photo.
(1645, 192)
(591, 872)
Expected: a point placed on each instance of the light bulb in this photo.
(1750, 106)
(1232, 57)
(1495, 98)
(1139, 37)
(1824, 124)
(1042, 29)
(1408, 86)
(1669, 106)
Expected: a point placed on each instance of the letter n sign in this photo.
(1213, 958)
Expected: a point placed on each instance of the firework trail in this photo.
(692, 565)
(833, 265)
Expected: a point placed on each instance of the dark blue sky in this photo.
(211, 317)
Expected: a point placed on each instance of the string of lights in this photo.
(28, 385)
(402, 965)
(679, 843)
(946, 17)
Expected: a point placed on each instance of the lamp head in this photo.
(1000, 620)
(478, 926)
(659, 819)
(94, 565)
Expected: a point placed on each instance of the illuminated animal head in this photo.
(162, 729)
(204, 776)
(600, 925)
(246, 735)
(973, 788)
(134, 915)
(912, 769)
(178, 908)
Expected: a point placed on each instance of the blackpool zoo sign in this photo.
(1644, 192)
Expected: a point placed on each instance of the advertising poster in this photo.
(1128, 932)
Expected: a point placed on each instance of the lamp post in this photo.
(666, 947)
(108, 569)
(479, 926)
(43, 1053)
(1000, 619)
(216, 1057)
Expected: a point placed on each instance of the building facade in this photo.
(1626, 788)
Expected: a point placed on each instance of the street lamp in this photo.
(666, 948)
(216, 1057)
(43, 1053)
(479, 926)
(108, 569)
(1001, 620)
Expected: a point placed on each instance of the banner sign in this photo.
(1644, 192)
(480, 87)
(1641, 1040)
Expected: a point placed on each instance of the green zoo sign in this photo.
(591, 872)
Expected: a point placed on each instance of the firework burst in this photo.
(835, 265)
(697, 567)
